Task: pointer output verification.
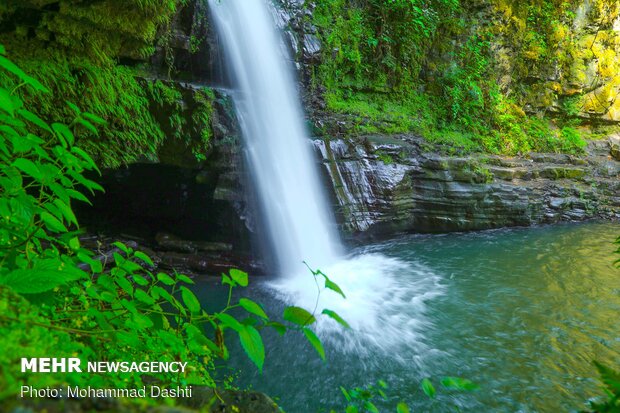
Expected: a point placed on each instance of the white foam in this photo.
(385, 305)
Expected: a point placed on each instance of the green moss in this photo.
(111, 92)
(74, 48)
(443, 73)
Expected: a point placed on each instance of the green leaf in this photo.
(298, 315)
(239, 277)
(158, 292)
(31, 117)
(252, 344)
(95, 265)
(142, 256)
(140, 280)
(2, 50)
(345, 393)
(121, 246)
(185, 279)
(165, 278)
(86, 157)
(87, 125)
(11, 67)
(279, 327)
(63, 133)
(402, 408)
(6, 102)
(190, 300)
(125, 285)
(428, 388)
(28, 167)
(457, 383)
(77, 195)
(370, 407)
(352, 409)
(315, 341)
(94, 118)
(52, 222)
(74, 108)
(330, 285)
(229, 321)
(35, 281)
(67, 212)
(610, 377)
(336, 317)
(144, 297)
(253, 308)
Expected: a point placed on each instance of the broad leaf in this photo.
(144, 297)
(402, 408)
(52, 222)
(330, 285)
(458, 383)
(253, 308)
(28, 167)
(64, 133)
(165, 278)
(142, 256)
(31, 117)
(190, 300)
(252, 344)
(229, 321)
(336, 317)
(34, 281)
(315, 341)
(428, 388)
(299, 316)
(239, 277)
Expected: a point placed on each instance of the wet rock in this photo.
(418, 189)
(614, 147)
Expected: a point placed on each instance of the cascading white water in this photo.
(279, 151)
(299, 223)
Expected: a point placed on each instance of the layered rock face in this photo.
(383, 186)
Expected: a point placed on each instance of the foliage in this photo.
(363, 399)
(99, 31)
(73, 303)
(436, 68)
(74, 48)
(611, 380)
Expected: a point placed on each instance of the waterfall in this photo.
(279, 152)
(299, 223)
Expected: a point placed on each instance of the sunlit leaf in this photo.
(52, 222)
(142, 256)
(190, 300)
(457, 383)
(402, 408)
(28, 167)
(239, 277)
(229, 321)
(34, 281)
(31, 117)
(336, 317)
(330, 285)
(252, 344)
(252, 307)
(428, 388)
(298, 315)
(315, 341)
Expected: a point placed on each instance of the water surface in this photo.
(522, 312)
